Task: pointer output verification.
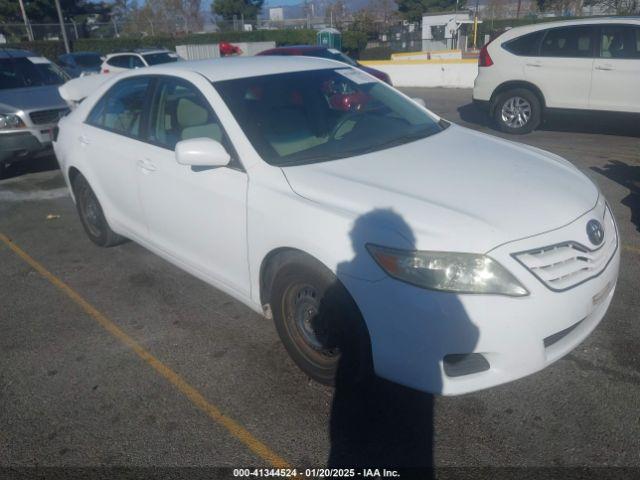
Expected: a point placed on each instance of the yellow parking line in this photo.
(233, 427)
(631, 249)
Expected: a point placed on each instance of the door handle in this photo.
(83, 140)
(146, 165)
(604, 67)
(531, 64)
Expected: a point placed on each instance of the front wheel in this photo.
(319, 323)
(517, 111)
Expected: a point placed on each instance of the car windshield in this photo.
(88, 60)
(29, 72)
(320, 115)
(158, 58)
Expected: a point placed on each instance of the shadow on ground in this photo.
(629, 177)
(30, 165)
(575, 122)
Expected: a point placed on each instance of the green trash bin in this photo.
(329, 38)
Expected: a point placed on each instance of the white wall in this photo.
(429, 74)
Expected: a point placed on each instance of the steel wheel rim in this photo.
(91, 212)
(304, 310)
(516, 112)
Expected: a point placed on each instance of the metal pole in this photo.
(75, 28)
(115, 27)
(26, 21)
(64, 31)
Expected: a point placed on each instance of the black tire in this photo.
(91, 215)
(514, 106)
(335, 343)
(3, 170)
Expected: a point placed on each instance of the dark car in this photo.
(323, 52)
(30, 105)
(80, 63)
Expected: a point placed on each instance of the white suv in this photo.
(591, 64)
(120, 62)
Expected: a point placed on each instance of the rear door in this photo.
(562, 69)
(616, 71)
(111, 139)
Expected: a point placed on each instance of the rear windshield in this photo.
(331, 54)
(88, 60)
(319, 115)
(29, 72)
(158, 58)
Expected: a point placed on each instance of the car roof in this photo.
(228, 68)
(15, 53)
(517, 31)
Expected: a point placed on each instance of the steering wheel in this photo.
(341, 123)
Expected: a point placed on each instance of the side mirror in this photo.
(201, 152)
(419, 101)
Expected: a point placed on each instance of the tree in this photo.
(335, 14)
(364, 21)
(412, 10)
(227, 9)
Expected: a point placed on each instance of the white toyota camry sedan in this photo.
(378, 236)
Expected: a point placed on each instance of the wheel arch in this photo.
(511, 84)
(271, 264)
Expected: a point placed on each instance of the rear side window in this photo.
(120, 109)
(125, 61)
(619, 41)
(575, 42)
(526, 45)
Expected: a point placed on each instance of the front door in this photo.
(197, 215)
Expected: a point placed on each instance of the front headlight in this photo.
(10, 121)
(448, 271)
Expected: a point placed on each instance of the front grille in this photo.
(42, 117)
(569, 264)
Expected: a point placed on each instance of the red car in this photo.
(330, 53)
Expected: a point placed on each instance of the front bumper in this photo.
(24, 143)
(413, 329)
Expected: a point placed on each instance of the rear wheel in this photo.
(318, 322)
(517, 111)
(91, 215)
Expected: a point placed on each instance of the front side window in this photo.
(319, 115)
(120, 109)
(180, 112)
(576, 42)
(29, 72)
(620, 41)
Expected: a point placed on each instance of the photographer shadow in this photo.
(629, 177)
(376, 423)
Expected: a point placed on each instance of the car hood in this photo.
(458, 190)
(31, 98)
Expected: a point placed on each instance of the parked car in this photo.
(122, 61)
(30, 105)
(588, 64)
(323, 52)
(77, 64)
(327, 200)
